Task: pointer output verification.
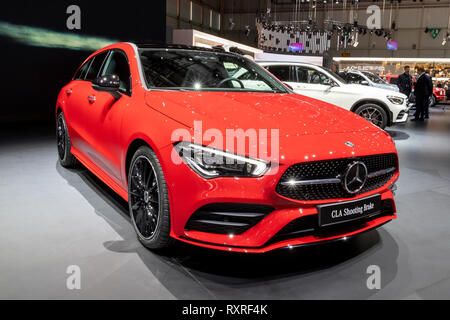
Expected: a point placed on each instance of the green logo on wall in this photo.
(435, 32)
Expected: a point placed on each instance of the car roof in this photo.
(290, 63)
(178, 47)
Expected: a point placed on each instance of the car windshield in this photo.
(184, 69)
(374, 78)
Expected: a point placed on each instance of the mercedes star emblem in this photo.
(355, 177)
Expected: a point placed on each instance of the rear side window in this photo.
(95, 66)
(281, 72)
(118, 64)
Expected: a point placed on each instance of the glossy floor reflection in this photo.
(51, 218)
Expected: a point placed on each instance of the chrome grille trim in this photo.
(311, 182)
(381, 172)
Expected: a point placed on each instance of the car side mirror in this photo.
(328, 82)
(108, 83)
(364, 83)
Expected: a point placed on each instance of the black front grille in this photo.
(227, 218)
(329, 169)
(309, 225)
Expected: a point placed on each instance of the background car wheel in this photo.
(373, 113)
(432, 101)
(148, 200)
(66, 159)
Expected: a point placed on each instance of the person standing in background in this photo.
(426, 112)
(405, 82)
(422, 92)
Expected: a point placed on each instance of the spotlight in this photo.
(355, 44)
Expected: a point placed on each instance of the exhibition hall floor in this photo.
(52, 218)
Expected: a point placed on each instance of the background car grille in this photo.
(227, 218)
(329, 169)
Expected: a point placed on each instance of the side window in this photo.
(393, 80)
(302, 74)
(281, 72)
(81, 74)
(117, 64)
(96, 65)
(316, 77)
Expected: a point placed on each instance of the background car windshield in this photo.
(374, 78)
(205, 71)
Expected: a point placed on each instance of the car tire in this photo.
(64, 145)
(432, 101)
(148, 200)
(373, 113)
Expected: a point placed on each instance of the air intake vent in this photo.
(309, 225)
(227, 218)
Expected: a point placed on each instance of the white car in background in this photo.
(367, 78)
(382, 107)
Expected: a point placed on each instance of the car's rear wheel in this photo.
(66, 158)
(373, 113)
(148, 200)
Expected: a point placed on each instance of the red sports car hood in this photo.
(299, 119)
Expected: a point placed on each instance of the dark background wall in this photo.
(39, 54)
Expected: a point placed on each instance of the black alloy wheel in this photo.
(374, 114)
(148, 200)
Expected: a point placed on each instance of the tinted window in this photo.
(281, 72)
(96, 65)
(302, 74)
(118, 64)
(393, 80)
(310, 75)
(81, 74)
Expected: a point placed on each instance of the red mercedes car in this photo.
(151, 122)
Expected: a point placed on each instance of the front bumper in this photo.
(188, 193)
(400, 113)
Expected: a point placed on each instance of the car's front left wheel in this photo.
(148, 200)
(373, 113)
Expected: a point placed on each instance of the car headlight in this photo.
(395, 100)
(213, 163)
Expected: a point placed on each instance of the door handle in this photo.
(92, 99)
(69, 92)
